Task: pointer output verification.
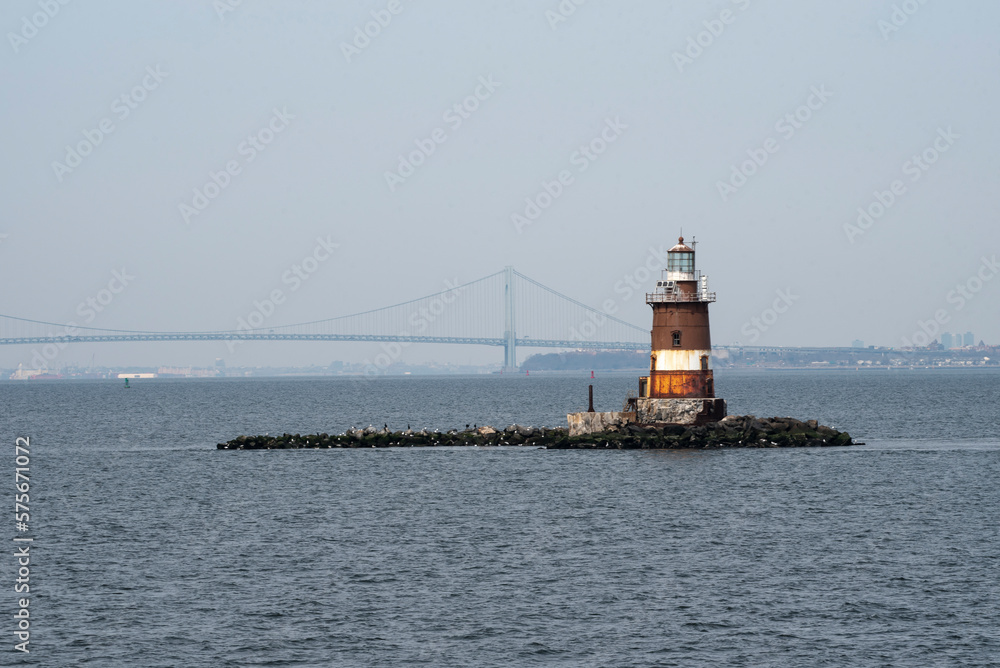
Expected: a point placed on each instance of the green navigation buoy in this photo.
(126, 384)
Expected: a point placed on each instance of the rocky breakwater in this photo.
(372, 437)
(746, 431)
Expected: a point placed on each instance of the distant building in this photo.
(186, 372)
(857, 343)
(968, 339)
(25, 374)
(946, 340)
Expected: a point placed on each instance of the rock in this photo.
(843, 438)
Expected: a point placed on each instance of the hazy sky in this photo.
(309, 117)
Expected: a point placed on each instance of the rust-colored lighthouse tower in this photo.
(680, 387)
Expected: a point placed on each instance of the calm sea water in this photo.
(154, 549)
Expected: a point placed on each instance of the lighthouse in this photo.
(680, 387)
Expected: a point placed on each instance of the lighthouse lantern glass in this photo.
(680, 261)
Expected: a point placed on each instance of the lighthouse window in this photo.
(677, 338)
(680, 262)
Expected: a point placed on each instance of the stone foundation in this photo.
(680, 411)
(582, 424)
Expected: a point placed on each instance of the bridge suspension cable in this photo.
(505, 309)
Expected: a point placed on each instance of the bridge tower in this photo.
(680, 387)
(510, 331)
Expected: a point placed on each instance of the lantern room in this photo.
(680, 262)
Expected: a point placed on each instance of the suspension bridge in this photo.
(505, 309)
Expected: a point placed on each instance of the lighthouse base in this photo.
(680, 411)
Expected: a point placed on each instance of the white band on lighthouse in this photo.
(681, 360)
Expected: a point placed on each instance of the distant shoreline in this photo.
(531, 373)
